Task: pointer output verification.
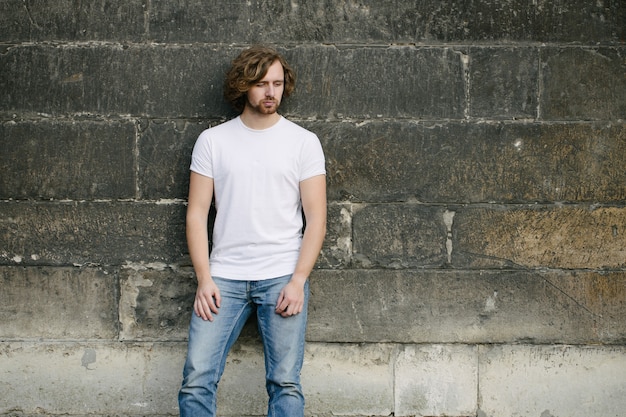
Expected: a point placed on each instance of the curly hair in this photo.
(250, 67)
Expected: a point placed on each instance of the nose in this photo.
(269, 90)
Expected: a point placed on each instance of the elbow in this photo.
(321, 227)
(195, 221)
(316, 226)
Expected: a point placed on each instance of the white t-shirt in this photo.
(256, 174)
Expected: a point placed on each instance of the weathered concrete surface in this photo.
(337, 82)
(156, 80)
(504, 82)
(85, 233)
(80, 378)
(411, 235)
(476, 203)
(84, 378)
(376, 161)
(68, 159)
(179, 80)
(383, 161)
(58, 303)
(337, 249)
(398, 236)
(165, 156)
(155, 302)
(583, 84)
(405, 306)
(369, 21)
(373, 21)
(436, 380)
(105, 79)
(375, 380)
(535, 237)
(429, 306)
(66, 20)
(349, 379)
(525, 381)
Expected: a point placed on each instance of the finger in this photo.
(200, 310)
(210, 305)
(281, 303)
(290, 310)
(197, 308)
(206, 307)
(283, 308)
(218, 300)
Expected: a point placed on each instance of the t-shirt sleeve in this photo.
(312, 157)
(201, 157)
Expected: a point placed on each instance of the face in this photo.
(264, 97)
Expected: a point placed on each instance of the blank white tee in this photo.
(257, 174)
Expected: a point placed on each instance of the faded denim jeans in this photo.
(210, 342)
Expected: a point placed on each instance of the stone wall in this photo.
(475, 263)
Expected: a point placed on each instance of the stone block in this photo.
(574, 381)
(91, 233)
(66, 20)
(90, 378)
(337, 249)
(137, 79)
(578, 21)
(377, 82)
(156, 302)
(540, 237)
(399, 236)
(376, 22)
(583, 84)
(45, 159)
(144, 378)
(439, 306)
(58, 303)
(374, 161)
(503, 82)
(165, 148)
(518, 21)
(394, 161)
(436, 380)
(342, 21)
(172, 81)
(241, 391)
(341, 379)
(336, 379)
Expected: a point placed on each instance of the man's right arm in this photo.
(207, 299)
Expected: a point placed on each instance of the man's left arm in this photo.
(313, 196)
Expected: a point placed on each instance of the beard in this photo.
(263, 106)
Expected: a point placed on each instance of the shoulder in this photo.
(226, 126)
(297, 130)
(224, 129)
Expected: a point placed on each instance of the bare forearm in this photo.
(200, 197)
(309, 251)
(313, 194)
(198, 245)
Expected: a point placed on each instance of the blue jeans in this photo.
(210, 342)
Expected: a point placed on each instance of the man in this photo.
(264, 172)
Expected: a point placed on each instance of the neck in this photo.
(259, 121)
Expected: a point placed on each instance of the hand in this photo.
(207, 300)
(291, 299)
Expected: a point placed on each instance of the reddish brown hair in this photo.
(250, 67)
